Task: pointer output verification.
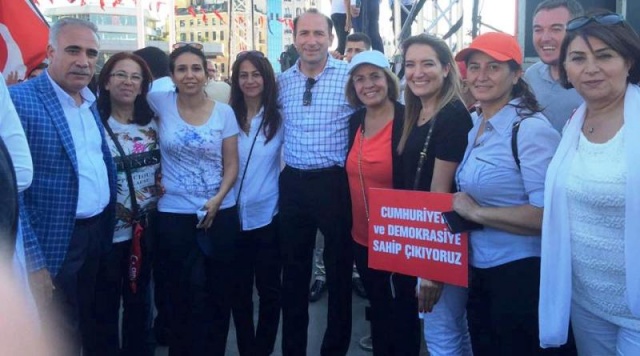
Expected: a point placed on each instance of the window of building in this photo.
(199, 36)
(183, 37)
(190, 22)
(221, 35)
(199, 22)
(213, 35)
(191, 37)
(222, 67)
(182, 23)
(206, 36)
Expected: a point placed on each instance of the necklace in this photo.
(364, 196)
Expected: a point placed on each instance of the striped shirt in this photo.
(315, 136)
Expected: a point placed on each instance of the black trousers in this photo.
(339, 21)
(75, 286)
(311, 200)
(257, 259)
(395, 326)
(199, 286)
(112, 286)
(503, 310)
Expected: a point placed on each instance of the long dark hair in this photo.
(528, 104)
(269, 99)
(142, 113)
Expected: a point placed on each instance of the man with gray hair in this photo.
(70, 205)
(549, 28)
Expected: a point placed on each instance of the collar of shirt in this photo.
(545, 73)
(502, 121)
(87, 96)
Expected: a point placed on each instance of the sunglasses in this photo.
(245, 54)
(608, 19)
(306, 98)
(195, 45)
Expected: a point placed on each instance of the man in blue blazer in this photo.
(69, 206)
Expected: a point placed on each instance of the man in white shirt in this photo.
(70, 204)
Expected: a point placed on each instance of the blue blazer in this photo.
(49, 205)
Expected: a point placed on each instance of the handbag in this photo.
(138, 222)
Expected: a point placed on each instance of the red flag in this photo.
(290, 23)
(23, 37)
(102, 4)
(83, 2)
(217, 13)
(204, 15)
(192, 11)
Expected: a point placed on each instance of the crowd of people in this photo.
(209, 190)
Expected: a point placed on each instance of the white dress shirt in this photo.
(93, 181)
(258, 200)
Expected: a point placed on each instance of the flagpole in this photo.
(35, 8)
(171, 23)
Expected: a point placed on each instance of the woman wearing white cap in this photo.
(372, 162)
(501, 184)
(436, 126)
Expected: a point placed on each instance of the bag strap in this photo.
(514, 141)
(423, 155)
(246, 165)
(127, 170)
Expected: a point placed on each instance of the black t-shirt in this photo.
(448, 143)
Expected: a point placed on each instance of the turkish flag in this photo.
(218, 15)
(23, 37)
(192, 11)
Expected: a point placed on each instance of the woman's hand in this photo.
(428, 294)
(464, 205)
(159, 186)
(212, 205)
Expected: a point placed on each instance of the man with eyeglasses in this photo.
(549, 28)
(313, 186)
(70, 204)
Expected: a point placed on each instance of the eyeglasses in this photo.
(122, 76)
(245, 54)
(306, 98)
(195, 45)
(607, 19)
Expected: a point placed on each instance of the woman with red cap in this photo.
(501, 186)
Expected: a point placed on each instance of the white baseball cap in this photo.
(372, 57)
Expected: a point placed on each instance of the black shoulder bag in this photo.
(138, 223)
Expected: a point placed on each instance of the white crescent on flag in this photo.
(23, 37)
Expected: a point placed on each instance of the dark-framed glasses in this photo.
(306, 98)
(244, 54)
(195, 45)
(605, 19)
(123, 76)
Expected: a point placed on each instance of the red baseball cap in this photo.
(499, 46)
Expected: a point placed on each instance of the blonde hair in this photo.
(449, 91)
